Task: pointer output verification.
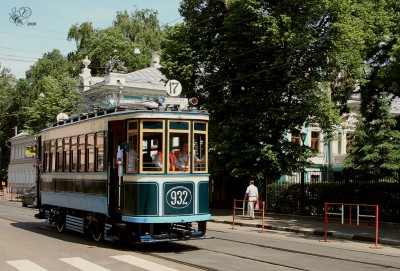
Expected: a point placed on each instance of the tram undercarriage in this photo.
(100, 227)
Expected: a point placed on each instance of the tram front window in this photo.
(199, 152)
(200, 147)
(152, 152)
(179, 154)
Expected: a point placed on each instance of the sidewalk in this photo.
(10, 196)
(389, 233)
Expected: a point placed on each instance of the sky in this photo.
(28, 29)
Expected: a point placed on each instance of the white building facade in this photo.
(22, 170)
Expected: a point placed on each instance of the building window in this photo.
(296, 137)
(315, 140)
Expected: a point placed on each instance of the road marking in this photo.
(142, 263)
(83, 264)
(25, 265)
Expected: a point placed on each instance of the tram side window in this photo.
(90, 152)
(200, 148)
(59, 154)
(52, 156)
(179, 146)
(132, 157)
(66, 153)
(46, 158)
(74, 154)
(81, 152)
(152, 146)
(99, 152)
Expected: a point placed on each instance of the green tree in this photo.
(7, 117)
(382, 54)
(376, 143)
(140, 30)
(52, 91)
(273, 65)
(82, 34)
(57, 96)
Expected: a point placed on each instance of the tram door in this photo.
(115, 165)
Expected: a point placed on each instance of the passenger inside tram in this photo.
(182, 158)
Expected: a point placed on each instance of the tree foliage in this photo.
(52, 91)
(14, 98)
(140, 29)
(264, 68)
(58, 96)
(376, 143)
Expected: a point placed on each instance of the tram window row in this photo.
(151, 146)
(74, 154)
(174, 146)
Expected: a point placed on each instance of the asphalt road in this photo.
(30, 244)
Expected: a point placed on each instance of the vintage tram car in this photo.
(122, 174)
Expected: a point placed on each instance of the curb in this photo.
(331, 234)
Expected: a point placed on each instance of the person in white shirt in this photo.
(252, 195)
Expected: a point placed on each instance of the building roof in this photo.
(150, 74)
(20, 135)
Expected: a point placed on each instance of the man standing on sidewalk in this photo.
(252, 195)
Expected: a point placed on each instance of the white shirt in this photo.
(252, 191)
(181, 161)
(120, 155)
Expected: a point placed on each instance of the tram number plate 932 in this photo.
(179, 197)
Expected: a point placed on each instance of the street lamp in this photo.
(302, 207)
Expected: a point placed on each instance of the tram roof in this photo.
(123, 110)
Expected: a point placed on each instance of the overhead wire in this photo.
(21, 60)
(34, 36)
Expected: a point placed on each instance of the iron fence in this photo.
(382, 188)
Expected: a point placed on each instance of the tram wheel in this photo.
(97, 231)
(60, 222)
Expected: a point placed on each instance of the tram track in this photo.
(178, 246)
(253, 259)
(273, 263)
(159, 250)
(182, 247)
(306, 254)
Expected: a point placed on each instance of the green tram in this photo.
(121, 174)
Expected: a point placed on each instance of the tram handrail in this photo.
(342, 215)
(262, 210)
